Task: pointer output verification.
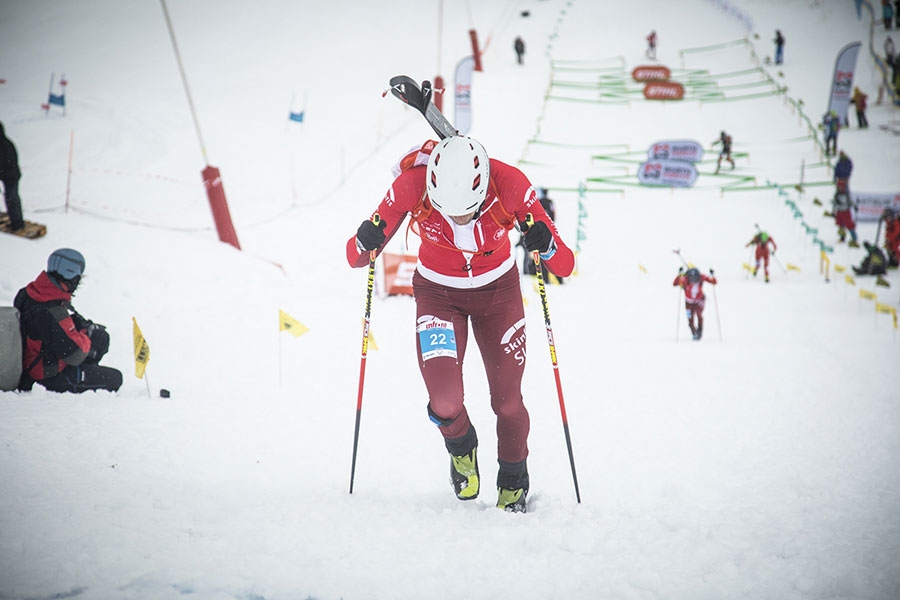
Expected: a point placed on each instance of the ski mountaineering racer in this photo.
(463, 206)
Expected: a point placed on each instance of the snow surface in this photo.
(760, 462)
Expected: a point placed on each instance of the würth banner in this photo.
(687, 150)
(670, 173)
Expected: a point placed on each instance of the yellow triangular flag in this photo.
(371, 339)
(141, 351)
(288, 323)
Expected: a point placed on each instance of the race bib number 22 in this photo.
(436, 337)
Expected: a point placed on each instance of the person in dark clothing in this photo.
(61, 349)
(779, 47)
(842, 170)
(10, 175)
(725, 140)
(859, 100)
(651, 45)
(519, 46)
(831, 124)
(874, 263)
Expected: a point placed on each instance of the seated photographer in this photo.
(874, 263)
(62, 350)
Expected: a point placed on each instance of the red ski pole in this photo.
(370, 285)
(562, 404)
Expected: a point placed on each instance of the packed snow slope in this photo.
(759, 462)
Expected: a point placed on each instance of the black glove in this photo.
(538, 237)
(370, 236)
(712, 272)
(680, 270)
(99, 343)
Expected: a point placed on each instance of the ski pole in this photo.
(529, 220)
(716, 303)
(783, 270)
(677, 313)
(678, 252)
(370, 285)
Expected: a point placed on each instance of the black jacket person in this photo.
(10, 175)
(61, 349)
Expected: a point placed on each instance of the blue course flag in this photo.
(296, 116)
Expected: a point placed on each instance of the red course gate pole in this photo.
(219, 205)
(476, 53)
(438, 98)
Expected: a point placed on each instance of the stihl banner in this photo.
(398, 272)
(651, 73)
(663, 90)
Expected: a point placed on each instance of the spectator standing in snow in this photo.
(62, 349)
(891, 218)
(725, 140)
(831, 124)
(519, 47)
(887, 13)
(762, 240)
(691, 283)
(10, 175)
(779, 47)
(859, 101)
(465, 204)
(842, 209)
(651, 45)
(842, 171)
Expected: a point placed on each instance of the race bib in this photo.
(436, 337)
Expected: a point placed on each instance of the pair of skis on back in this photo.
(419, 97)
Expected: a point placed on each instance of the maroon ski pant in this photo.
(497, 314)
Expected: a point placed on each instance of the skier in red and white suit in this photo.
(463, 206)
(694, 298)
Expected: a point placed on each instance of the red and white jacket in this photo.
(693, 292)
(471, 255)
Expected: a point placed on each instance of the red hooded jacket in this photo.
(486, 253)
(52, 339)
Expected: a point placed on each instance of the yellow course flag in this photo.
(371, 340)
(867, 295)
(288, 323)
(141, 351)
(887, 309)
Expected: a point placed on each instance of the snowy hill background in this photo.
(760, 462)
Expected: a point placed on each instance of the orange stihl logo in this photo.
(663, 90)
(651, 73)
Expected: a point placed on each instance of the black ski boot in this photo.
(512, 486)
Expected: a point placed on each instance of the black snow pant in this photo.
(84, 378)
(13, 204)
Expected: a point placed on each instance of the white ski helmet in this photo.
(458, 174)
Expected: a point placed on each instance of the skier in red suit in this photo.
(694, 299)
(762, 241)
(463, 206)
